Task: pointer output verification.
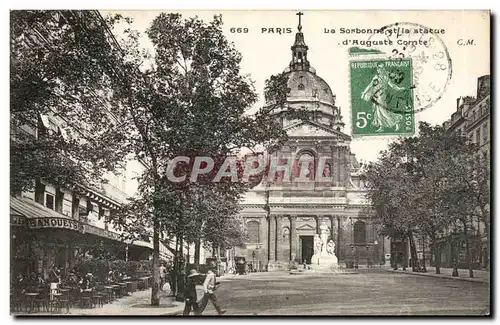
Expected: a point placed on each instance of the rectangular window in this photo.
(49, 201)
(478, 136)
(485, 132)
(74, 207)
(39, 192)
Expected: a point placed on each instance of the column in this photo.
(339, 229)
(279, 239)
(293, 237)
(316, 218)
(332, 224)
(271, 238)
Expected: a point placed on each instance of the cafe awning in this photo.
(30, 209)
(25, 212)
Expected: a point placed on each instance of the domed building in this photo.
(282, 217)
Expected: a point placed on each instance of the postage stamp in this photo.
(382, 97)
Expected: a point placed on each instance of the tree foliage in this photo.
(63, 66)
(189, 98)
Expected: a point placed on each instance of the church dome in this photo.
(305, 85)
(308, 91)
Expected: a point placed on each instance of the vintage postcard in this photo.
(251, 162)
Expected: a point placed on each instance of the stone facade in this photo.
(282, 217)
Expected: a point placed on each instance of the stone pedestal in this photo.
(324, 261)
(324, 257)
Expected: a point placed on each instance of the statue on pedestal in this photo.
(330, 248)
(324, 251)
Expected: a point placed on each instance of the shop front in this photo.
(42, 238)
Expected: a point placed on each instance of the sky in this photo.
(265, 53)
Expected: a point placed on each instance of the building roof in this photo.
(30, 209)
(308, 86)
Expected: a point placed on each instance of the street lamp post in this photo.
(455, 261)
(253, 261)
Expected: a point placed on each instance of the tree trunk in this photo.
(467, 249)
(197, 246)
(437, 254)
(405, 253)
(155, 290)
(424, 269)
(487, 230)
(413, 253)
(175, 267)
(181, 272)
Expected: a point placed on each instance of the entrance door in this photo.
(307, 249)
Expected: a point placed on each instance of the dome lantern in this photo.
(299, 50)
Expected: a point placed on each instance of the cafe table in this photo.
(123, 289)
(111, 294)
(116, 290)
(129, 286)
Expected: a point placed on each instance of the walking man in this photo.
(190, 294)
(209, 287)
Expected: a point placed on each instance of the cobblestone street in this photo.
(373, 292)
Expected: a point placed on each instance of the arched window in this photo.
(359, 232)
(304, 158)
(253, 228)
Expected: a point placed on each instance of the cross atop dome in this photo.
(299, 49)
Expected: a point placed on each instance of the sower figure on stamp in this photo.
(190, 294)
(209, 287)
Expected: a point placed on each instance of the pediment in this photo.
(306, 227)
(313, 130)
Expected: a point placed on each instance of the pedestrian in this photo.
(209, 287)
(173, 281)
(163, 272)
(190, 294)
(55, 280)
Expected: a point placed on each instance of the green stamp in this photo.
(382, 97)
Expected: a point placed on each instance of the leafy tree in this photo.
(391, 192)
(189, 99)
(424, 184)
(63, 65)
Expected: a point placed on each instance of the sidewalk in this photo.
(480, 276)
(137, 304)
